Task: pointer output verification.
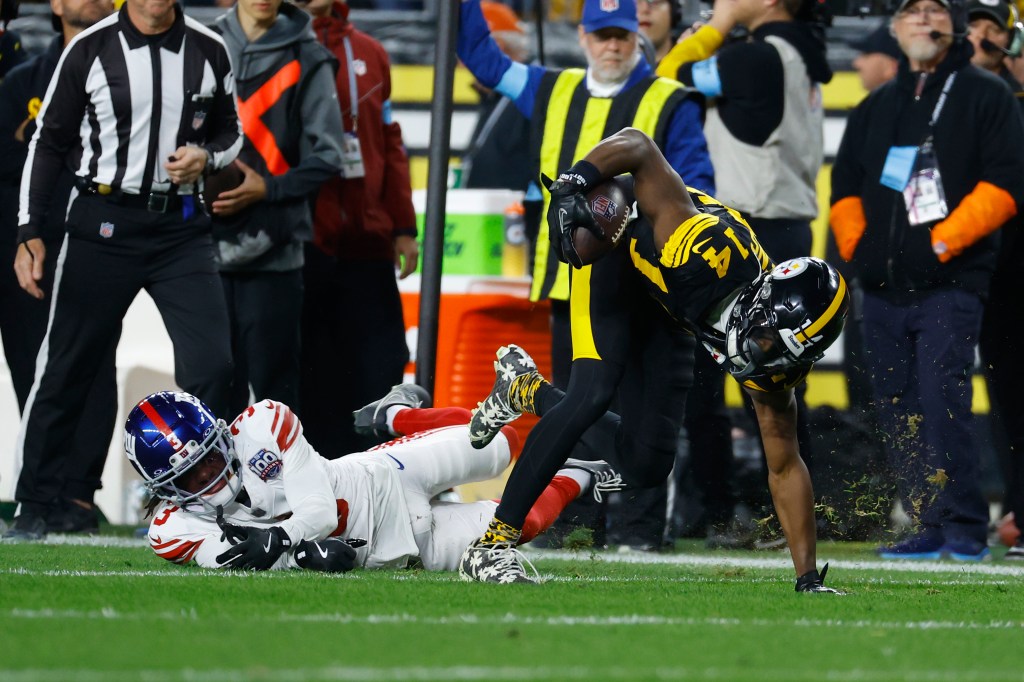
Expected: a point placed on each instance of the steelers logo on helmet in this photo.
(787, 317)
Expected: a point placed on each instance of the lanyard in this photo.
(354, 94)
(942, 99)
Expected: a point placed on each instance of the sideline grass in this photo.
(81, 612)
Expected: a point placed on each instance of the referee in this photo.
(141, 104)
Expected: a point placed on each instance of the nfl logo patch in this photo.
(604, 207)
(266, 465)
(609, 5)
(106, 230)
(359, 66)
(197, 120)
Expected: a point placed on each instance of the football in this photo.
(611, 203)
(226, 178)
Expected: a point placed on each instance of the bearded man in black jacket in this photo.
(928, 171)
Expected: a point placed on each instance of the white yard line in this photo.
(492, 673)
(779, 560)
(627, 620)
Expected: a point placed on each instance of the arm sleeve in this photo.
(848, 225)
(306, 481)
(60, 118)
(847, 217)
(489, 65)
(686, 149)
(979, 214)
(183, 538)
(999, 192)
(704, 42)
(320, 143)
(225, 139)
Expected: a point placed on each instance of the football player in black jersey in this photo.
(697, 260)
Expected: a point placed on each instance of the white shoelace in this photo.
(607, 483)
(512, 560)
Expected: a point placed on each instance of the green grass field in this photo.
(109, 610)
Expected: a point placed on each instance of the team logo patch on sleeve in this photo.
(266, 465)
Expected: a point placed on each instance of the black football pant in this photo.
(651, 390)
(97, 278)
(265, 309)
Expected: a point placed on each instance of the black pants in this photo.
(1000, 344)
(97, 278)
(23, 325)
(265, 309)
(920, 351)
(353, 346)
(626, 348)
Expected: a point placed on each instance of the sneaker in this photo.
(921, 546)
(73, 518)
(603, 479)
(372, 419)
(498, 563)
(814, 582)
(28, 527)
(1015, 553)
(965, 549)
(498, 408)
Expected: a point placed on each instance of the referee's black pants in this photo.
(110, 253)
(23, 322)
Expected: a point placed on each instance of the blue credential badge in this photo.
(899, 164)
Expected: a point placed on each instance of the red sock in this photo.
(560, 492)
(418, 419)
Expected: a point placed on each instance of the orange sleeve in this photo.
(982, 212)
(848, 223)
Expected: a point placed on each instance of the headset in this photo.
(1016, 43)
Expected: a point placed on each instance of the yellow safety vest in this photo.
(564, 104)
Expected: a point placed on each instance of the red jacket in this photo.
(358, 219)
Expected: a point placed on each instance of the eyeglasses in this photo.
(930, 12)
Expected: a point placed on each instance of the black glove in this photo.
(812, 581)
(254, 549)
(569, 209)
(330, 555)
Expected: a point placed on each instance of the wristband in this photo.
(583, 174)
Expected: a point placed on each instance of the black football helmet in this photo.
(787, 317)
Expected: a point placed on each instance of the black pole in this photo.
(437, 188)
(538, 9)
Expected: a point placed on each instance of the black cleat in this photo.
(28, 527)
(69, 517)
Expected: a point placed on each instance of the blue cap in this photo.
(598, 14)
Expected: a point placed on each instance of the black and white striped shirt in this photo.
(121, 102)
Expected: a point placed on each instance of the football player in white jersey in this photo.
(256, 495)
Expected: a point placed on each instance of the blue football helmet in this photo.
(786, 318)
(166, 435)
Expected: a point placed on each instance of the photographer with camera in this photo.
(928, 171)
